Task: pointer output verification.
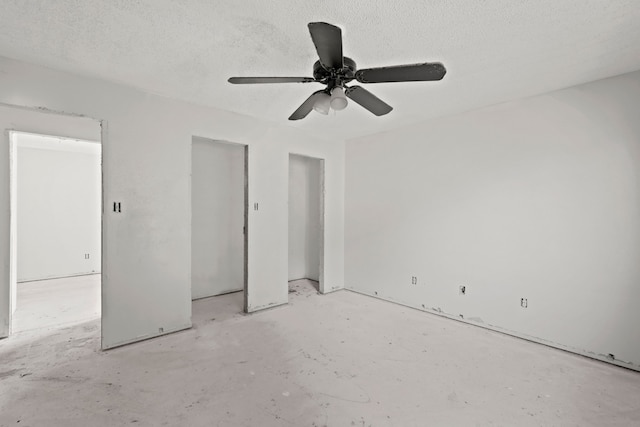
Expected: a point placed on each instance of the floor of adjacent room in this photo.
(341, 359)
(56, 303)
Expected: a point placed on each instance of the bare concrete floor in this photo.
(57, 302)
(340, 359)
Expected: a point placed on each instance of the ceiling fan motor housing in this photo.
(335, 77)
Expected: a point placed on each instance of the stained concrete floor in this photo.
(340, 359)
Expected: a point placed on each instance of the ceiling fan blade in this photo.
(306, 106)
(368, 100)
(253, 80)
(402, 73)
(328, 41)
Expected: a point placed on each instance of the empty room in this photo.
(419, 213)
(57, 183)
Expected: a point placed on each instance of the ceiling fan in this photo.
(335, 70)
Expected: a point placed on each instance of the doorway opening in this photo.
(218, 227)
(55, 231)
(306, 223)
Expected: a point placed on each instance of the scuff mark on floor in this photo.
(8, 373)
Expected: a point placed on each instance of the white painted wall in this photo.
(217, 218)
(304, 218)
(58, 207)
(536, 199)
(146, 149)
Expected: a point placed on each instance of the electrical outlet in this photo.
(463, 289)
(524, 303)
(414, 280)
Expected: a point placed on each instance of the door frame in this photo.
(10, 137)
(321, 234)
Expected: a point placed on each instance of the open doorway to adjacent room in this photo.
(218, 227)
(306, 223)
(55, 231)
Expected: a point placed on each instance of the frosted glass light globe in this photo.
(323, 104)
(338, 100)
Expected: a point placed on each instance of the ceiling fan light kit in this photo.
(322, 103)
(335, 70)
(338, 99)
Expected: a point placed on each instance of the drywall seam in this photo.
(46, 110)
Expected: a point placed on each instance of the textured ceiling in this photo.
(494, 50)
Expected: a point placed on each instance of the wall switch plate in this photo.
(414, 280)
(524, 303)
